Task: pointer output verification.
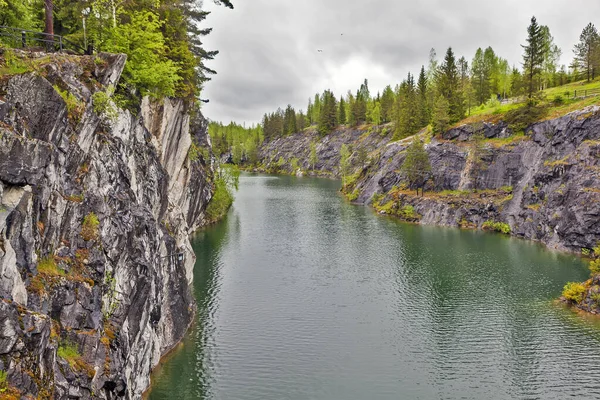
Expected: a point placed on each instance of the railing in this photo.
(23, 38)
(584, 93)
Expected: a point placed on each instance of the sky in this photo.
(269, 49)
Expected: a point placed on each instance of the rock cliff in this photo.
(96, 209)
(542, 184)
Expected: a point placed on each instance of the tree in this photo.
(441, 118)
(376, 114)
(406, 121)
(313, 159)
(387, 104)
(533, 57)
(416, 165)
(480, 76)
(328, 115)
(289, 121)
(342, 111)
(587, 51)
(448, 86)
(552, 55)
(147, 68)
(423, 111)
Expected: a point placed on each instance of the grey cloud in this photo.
(269, 48)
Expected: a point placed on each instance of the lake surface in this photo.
(304, 296)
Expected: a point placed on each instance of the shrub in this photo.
(89, 228)
(574, 292)
(3, 381)
(74, 106)
(225, 183)
(13, 64)
(103, 105)
(595, 266)
(521, 118)
(497, 227)
(68, 351)
(558, 100)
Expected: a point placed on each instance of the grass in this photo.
(47, 266)
(89, 228)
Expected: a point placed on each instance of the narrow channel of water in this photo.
(303, 296)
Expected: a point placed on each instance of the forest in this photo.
(444, 91)
(162, 38)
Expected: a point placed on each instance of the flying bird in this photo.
(320, 51)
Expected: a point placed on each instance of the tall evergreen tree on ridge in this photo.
(587, 51)
(328, 117)
(448, 86)
(424, 113)
(533, 57)
(342, 111)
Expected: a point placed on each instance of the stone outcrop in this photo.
(543, 184)
(96, 209)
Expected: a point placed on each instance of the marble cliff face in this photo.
(96, 209)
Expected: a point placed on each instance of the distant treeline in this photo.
(242, 142)
(445, 92)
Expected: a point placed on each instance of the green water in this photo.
(303, 296)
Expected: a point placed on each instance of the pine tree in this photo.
(587, 51)
(533, 57)
(328, 117)
(376, 114)
(387, 104)
(448, 86)
(316, 110)
(552, 54)
(423, 111)
(416, 165)
(289, 121)
(480, 77)
(342, 111)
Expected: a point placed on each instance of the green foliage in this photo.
(74, 106)
(595, 266)
(196, 153)
(295, 164)
(500, 227)
(147, 68)
(328, 114)
(236, 138)
(574, 292)
(226, 182)
(519, 119)
(103, 105)
(533, 57)
(89, 228)
(3, 381)
(13, 65)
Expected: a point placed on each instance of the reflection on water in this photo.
(303, 296)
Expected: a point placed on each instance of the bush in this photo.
(595, 267)
(3, 381)
(558, 100)
(103, 105)
(13, 64)
(89, 228)
(74, 106)
(497, 227)
(68, 351)
(225, 183)
(574, 292)
(521, 118)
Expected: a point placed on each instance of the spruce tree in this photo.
(424, 113)
(587, 51)
(328, 117)
(387, 104)
(448, 86)
(342, 111)
(533, 57)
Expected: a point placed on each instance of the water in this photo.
(303, 296)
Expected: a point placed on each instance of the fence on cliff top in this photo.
(23, 38)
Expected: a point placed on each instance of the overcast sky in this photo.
(269, 48)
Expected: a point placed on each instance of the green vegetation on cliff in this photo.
(162, 39)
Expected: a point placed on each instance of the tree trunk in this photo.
(49, 18)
